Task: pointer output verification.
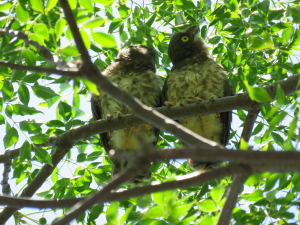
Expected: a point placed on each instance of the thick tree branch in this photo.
(4, 182)
(249, 123)
(39, 69)
(236, 188)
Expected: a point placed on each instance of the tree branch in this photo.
(39, 69)
(249, 123)
(235, 189)
(89, 201)
(4, 182)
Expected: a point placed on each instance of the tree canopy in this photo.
(51, 57)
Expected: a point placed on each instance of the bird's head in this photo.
(138, 53)
(186, 44)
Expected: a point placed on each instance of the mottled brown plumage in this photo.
(195, 75)
(134, 72)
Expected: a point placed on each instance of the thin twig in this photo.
(236, 188)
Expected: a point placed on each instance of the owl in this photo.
(134, 72)
(196, 77)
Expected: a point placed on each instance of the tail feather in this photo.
(204, 166)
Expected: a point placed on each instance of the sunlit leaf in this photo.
(43, 156)
(105, 40)
(11, 137)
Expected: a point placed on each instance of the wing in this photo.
(165, 89)
(160, 103)
(226, 117)
(96, 111)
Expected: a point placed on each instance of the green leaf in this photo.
(207, 205)
(87, 5)
(2, 121)
(22, 14)
(37, 5)
(105, 2)
(55, 123)
(112, 213)
(184, 4)
(39, 138)
(8, 111)
(43, 92)
(29, 56)
(154, 212)
(206, 221)
(95, 212)
(232, 4)
(158, 197)
(29, 125)
(86, 39)
(280, 26)
(258, 94)
(11, 137)
(5, 6)
(43, 156)
(90, 86)
(279, 95)
(217, 193)
(243, 144)
(97, 22)
(179, 211)
(51, 4)
(24, 110)
(271, 181)
(25, 151)
(64, 110)
(41, 30)
(125, 216)
(70, 50)
(7, 90)
(23, 94)
(115, 24)
(214, 40)
(105, 40)
(73, 4)
(59, 27)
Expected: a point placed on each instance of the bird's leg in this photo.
(108, 116)
(136, 128)
(181, 102)
(169, 104)
(119, 114)
(148, 126)
(212, 98)
(197, 99)
(110, 132)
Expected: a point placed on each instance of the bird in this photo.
(134, 71)
(196, 77)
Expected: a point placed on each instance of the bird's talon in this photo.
(148, 126)
(110, 132)
(136, 127)
(185, 119)
(169, 104)
(212, 98)
(119, 114)
(180, 102)
(217, 115)
(108, 116)
(197, 99)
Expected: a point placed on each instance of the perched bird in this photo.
(196, 77)
(134, 72)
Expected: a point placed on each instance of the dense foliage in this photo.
(255, 41)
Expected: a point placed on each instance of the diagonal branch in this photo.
(89, 201)
(249, 123)
(235, 189)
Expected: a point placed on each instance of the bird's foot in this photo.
(197, 99)
(181, 102)
(110, 132)
(136, 128)
(169, 104)
(217, 115)
(119, 114)
(185, 119)
(212, 98)
(148, 126)
(108, 116)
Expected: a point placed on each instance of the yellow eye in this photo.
(184, 38)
